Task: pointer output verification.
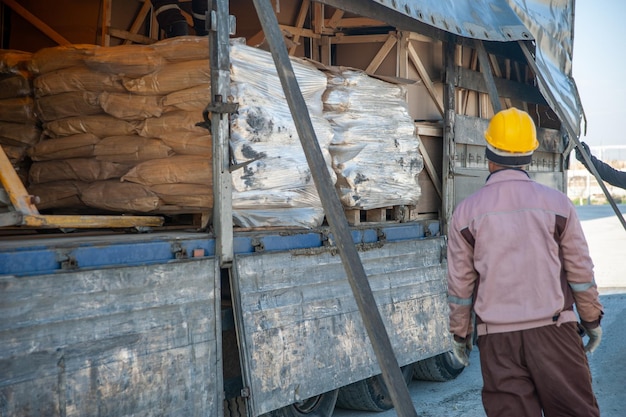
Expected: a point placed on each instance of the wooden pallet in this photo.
(399, 214)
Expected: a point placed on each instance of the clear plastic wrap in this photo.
(375, 152)
(276, 188)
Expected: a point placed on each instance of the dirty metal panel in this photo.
(133, 341)
(301, 328)
(471, 167)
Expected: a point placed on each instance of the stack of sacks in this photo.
(375, 152)
(276, 188)
(120, 128)
(19, 128)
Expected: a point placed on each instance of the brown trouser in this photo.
(527, 371)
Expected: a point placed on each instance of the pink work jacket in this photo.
(523, 245)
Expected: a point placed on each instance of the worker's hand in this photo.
(579, 155)
(595, 335)
(461, 349)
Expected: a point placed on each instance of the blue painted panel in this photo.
(28, 258)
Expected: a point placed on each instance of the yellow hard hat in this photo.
(511, 138)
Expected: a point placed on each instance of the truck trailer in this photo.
(232, 311)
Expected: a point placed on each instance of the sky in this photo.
(599, 69)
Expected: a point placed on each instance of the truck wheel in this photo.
(370, 394)
(235, 407)
(440, 368)
(321, 405)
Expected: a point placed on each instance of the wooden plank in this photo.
(139, 19)
(430, 168)
(376, 215)
(302, 13)
(106, 23)
(355, 22)
(485, 69)
(382, 54)
(421, 70)
(307, 33)
(474, 81)
(13, 186)
(128, 36)
(343, 39)
(35, 21)
(333, 22)
(50, 221)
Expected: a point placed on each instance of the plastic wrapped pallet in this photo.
(375, 151)
(276, 186)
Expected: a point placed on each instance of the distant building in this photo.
(582, 186)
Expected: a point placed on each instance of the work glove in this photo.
(595, 336)
(579, 155)
(461, 349)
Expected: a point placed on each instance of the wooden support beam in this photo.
(139, 20)
(105, 38)
(35, 21)
(421, 70)
(128, 37)
(430, 167)
(353, 22)
(256, 39)
(382, 54)
(304, 10)
(343, 39)
(333, 22)
(485, 69)
(14, 188)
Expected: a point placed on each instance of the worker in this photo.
(172, 21)
(518, 258)
(607, 173)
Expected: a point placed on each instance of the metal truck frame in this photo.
(284, 321)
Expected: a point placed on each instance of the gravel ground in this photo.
(607, 243)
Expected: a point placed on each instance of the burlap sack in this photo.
(190, 144)
(19, 134)
(18, 110)
(130, 106)
(14, 85)
(171, 124)
(81, 169)
(57, 57)
(101, 125)
(171, 77)
(131, 149)
(185, 195)
(70, 104)
(193, 99)
(120, 196)
(58, 194)
(125, 60)
(183, 169)
(75, 146)
(183, 48)
(78, 78)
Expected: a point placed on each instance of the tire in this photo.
(321, 405)
(235, 407)
(370, 394)
(440, 368)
